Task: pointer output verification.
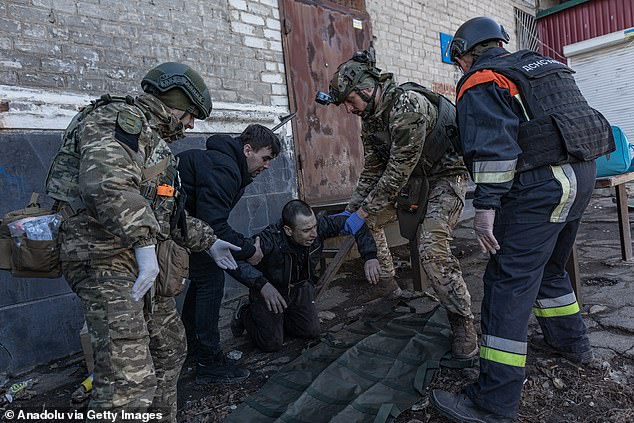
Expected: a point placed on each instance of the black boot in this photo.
(218, 370)
(459, 408)
(585, 358)
(237, 327)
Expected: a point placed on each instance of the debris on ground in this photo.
(82, 393)
(555, 390)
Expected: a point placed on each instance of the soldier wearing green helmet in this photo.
(408, 145)
(115, 181)
(191, 95)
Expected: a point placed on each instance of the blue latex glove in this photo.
(343, 213)
(354, 223)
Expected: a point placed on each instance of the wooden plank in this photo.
(612, 181)
(333, 268)
(624, 222)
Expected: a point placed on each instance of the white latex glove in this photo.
(148, 270)
(372, 271)
(220, 251)
(483, 226)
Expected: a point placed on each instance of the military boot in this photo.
(465, 338)
(216, 369)
(386, 288)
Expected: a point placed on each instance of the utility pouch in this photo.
(173, 263)
(411, 204)
(29, 242)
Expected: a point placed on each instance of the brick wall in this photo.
(407, 35)
(96, 46)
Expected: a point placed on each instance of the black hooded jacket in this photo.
(286, 263)
(214, 180)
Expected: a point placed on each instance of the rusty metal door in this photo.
(317, 37)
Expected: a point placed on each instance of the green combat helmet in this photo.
(356, 75)
(170, 75)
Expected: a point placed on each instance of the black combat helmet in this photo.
(473, 32)
(169, 75)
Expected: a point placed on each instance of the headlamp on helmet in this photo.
(348, 77)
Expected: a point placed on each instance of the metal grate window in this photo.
(526, 30)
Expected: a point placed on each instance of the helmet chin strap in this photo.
(369, 109)
(174, 128)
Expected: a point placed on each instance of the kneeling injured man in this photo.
(282, 285)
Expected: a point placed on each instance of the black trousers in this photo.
(267, 329)
(201, 310)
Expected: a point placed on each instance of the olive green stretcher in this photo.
(365, 372)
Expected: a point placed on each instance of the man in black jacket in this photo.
(282, 285)
(214, 181)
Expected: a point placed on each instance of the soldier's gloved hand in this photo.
(220, 251)
(148, 270)
(354, 223)
(483, 226)
(343, 213)
(372, 271)
(273, 299)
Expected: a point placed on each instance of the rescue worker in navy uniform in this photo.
(529, 140)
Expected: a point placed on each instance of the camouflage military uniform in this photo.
(410, 118)
(138, 356)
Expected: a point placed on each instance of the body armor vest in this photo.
(560, 126)
(160, 184)
(443, 135)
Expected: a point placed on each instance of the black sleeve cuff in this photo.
(259, 283)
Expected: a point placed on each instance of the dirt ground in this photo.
(555, 390)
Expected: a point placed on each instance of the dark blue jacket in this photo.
(488, 120)
(214, 180)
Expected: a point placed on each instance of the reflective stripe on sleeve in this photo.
(494, 171)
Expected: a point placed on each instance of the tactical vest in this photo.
(160, 184)
(560, 126)
(443, 135)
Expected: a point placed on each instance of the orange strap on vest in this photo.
(487, 75)
(165, 190)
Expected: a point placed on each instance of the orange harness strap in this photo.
(487, 75)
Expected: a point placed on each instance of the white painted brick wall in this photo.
(89, 48)
(92, 47)
(407, 35)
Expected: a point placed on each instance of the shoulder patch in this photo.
(128, 129)
(129, 122)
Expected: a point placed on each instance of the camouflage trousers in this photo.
(442, 268)
(138, 356)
